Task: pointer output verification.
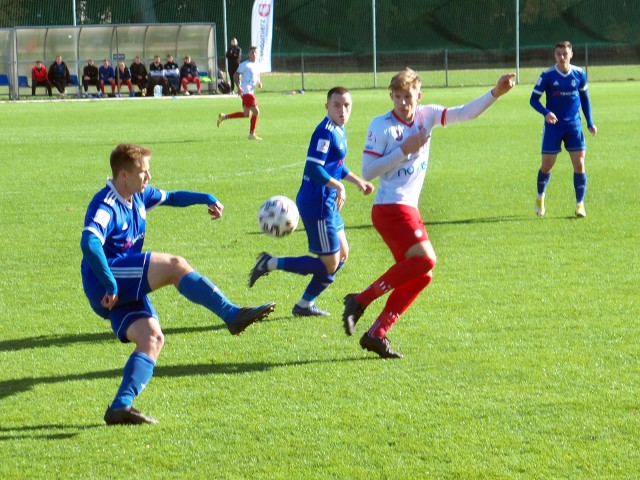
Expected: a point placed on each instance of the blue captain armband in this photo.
(185, 198)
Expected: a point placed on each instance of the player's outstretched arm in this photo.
(505, 83)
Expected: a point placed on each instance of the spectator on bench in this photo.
(40, 78)
(172, 73)
(156, 77)
(123, 75)
(90, 77)
(59, 75)
(189, 74)
(139, 75)
(106, 74)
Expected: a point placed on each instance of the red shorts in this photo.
(400, 226)
(249, 100)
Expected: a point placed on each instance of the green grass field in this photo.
(521, 358)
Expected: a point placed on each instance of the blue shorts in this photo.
(133, 303)
(322, 234)
(569, 133)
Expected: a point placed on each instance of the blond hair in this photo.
(406, 79)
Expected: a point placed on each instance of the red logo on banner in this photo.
(264, 9)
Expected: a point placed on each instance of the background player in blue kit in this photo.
(117, 275)
(320, 199)
(565, 86)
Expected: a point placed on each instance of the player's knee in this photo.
(155, 343)
(427, 263)
(179, 265)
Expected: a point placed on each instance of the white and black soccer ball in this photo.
(278, 216)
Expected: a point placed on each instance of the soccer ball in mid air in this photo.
(278, 216)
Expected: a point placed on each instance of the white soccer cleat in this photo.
(580, 211)
(540, 210)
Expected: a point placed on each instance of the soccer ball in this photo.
(278, 216)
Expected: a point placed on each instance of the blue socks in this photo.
(319, 283)
(305, 265)
(543, 180)
(201, 290)
(580, 184)
(137, 372)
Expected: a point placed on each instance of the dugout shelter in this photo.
(20, 47)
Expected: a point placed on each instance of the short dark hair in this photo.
(564, 44)
(125, 156)
(338, 90)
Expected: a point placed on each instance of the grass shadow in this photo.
(13, 387)
(46, 341)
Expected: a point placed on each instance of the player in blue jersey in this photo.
(565, 87)
(320, 198)
(117, 274)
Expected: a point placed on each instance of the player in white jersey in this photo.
(249, 70)
(397, 151)
(565, 88)
(117, 275)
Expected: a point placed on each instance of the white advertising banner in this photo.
(262, 31)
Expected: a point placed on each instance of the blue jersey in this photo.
(565, 94)
(325, 159)
(120, 225)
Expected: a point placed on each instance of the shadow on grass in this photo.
(43, 432)
(16, 386)
(47, 432)
(46, 341)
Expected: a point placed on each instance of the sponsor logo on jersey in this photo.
(102, 217)
(412, 169)
(397, 133)
(323, 145)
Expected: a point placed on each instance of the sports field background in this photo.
(521, 358)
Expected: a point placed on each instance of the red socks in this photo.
(398, 274)
(407, 279)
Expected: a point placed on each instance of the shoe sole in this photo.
(298, 314)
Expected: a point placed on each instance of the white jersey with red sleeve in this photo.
(402, 181)
(402, 176)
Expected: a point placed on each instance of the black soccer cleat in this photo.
(260, 268)
(126, 416)
(381, 346)
(352, 313)
(248, 315)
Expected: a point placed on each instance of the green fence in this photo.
(450, 41)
